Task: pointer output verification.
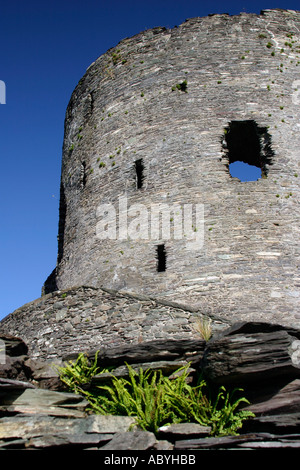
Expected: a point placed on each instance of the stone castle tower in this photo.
(153, 126)
(157, 120)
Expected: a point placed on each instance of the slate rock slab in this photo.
(67, 440)
(134, 440)
(183, 430)
(11, 384)
(43, 431)
(226, 442)
(43, 401)
(275, 399)
(251, 352)
(109, 423)
(277, 423)
(45, 373)
(246, 441)
(150, 351)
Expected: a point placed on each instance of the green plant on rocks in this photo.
(155, 400)
(75, 374)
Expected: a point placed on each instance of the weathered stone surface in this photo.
(163, 445)
(184, 429)
(11, 384)
(276, 423)
(246, 441)
(248, 327)
(37, 425)
(14, 368)
(128, 107)
(43, 401)
(214, 442)
(66, 440)
(134, 440)
(43, 431)
(167, 350)
(14, 346)
(44, 374)
(275, 398)
(263, 352)
(28, 426)
(106, 329)
(109, 424)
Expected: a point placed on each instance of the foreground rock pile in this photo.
(264, 359)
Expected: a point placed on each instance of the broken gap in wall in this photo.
(92, 100)
(139, 169)
(244, 172)
(247, 150)
(161, 258)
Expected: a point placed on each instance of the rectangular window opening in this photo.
(83, 175)
(139, 169)
(161, 258)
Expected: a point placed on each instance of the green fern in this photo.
(77, 373)
(155, 400)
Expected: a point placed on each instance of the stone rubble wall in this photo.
(80, 319)
(264, 359)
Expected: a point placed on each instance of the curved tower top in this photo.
(147, 201)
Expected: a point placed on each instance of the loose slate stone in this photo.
(80, 440)
(244, 357)
(58, 419)
(10, 384)
(135, 440)
(216, 442)
(279, 423)
(109, 423)
(166, 350)
(163, 445)
(30, 426)
(284, 399)
(44, 401)
(184, 429)
(257, 327)
(27, 426)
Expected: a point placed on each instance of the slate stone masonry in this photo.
(165, 98)
(85, 318)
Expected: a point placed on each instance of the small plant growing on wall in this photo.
(180, 86)
(203, 327)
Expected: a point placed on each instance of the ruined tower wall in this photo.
(165, 97)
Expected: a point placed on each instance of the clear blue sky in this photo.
(45, 48)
